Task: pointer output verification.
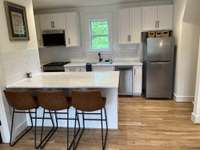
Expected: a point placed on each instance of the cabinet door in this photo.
(149, 18)
(165, 17)
(72, 29)
(136, 24)
(38, 32)
(137, 80)
(52, 21)
(124, 26)
(45, 21)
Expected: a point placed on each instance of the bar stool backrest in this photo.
(88, 100)
(53, 100)
(21, 100)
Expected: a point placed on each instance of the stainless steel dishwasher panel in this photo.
(126, 80)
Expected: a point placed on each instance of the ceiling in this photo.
(41, 4)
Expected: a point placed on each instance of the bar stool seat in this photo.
(53, 101)
(86, 102)
(21, 102)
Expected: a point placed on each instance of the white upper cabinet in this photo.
(52, 21)
(60, 21)
(158, 18)
(165, 17)
(130, 22)
(149, 18)
(124, 26)
(72, 31)
(136, 24)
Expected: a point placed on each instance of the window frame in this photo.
(107, 17)
(91, 35)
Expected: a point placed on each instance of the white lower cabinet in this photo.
(137, 80)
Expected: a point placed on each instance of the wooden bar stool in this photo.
(86, 102)
(53, 101)
(22, 102)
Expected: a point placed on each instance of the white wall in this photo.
(17, 58)
(187, 40)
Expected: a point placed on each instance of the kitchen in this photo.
(127, 50)
(124, 51)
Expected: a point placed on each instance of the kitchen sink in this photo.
(100, 63)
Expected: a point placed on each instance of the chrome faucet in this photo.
(100, 58)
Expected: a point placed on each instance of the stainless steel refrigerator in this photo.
(159, 65)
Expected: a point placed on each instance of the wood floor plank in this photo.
(143, 125)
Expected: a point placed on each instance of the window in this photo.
(99, 34)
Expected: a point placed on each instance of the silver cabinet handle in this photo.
(134, 71)
(52, 24)
(157, 24)
(129, 38)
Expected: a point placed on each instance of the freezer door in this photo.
(159, 80)
(160, 49)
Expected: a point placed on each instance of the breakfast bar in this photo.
(106, 82)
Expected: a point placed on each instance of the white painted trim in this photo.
(195, 118)
(96, 16)
(183, 98)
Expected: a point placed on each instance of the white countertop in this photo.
(123, 63)
(70, 80)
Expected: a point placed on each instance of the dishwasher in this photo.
(125, 80)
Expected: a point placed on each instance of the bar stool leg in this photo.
(56, 117)
(12, 124)
(102, 138)
(44, 141)
(35, 136)
(42, 129)
(12, 128)
(75, 133)
(79, 130)
(67, 128)
(31, 119)
(83, 116)
(106, 120)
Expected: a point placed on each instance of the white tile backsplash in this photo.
(51, 54)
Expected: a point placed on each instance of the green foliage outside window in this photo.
(99, 34)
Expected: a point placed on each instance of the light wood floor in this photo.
(144, 125)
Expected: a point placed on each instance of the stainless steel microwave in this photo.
(53, 38)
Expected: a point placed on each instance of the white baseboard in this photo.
(195, 118)
(181, 99)
(19, 128)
